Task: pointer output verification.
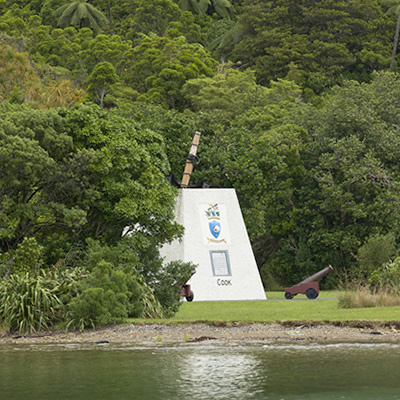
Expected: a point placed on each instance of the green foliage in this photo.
(221, 36)
(176, 128)
(393, 9)
(168, 282)
(18, 80)
(350, 184)
(223, 8)
(316, 181)
(34, 153)
(327, 37)
(29, 303)
(159, 17)
(102, 48)
(60, 189)
(27, 256)
(162, 66)
(387, 277)
(120, 285)
(101, 79)
(80, 13)
(378, 250)
(231, 91)
(134, 269)
(105, 297)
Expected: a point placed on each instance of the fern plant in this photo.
(223, 8)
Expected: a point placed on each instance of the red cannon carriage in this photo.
(310, 285)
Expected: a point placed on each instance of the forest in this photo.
(298, 106)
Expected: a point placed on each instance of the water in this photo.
(201, 371)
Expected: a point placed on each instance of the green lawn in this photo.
(271, 311)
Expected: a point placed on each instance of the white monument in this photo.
(215, 239)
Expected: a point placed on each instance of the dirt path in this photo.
(307, 332)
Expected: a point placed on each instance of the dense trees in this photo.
(161, 67)
(348, 189)
(325, 40)
(71, 176)
(81, 172)
(394, 9)
(294, 115)
(18, 80)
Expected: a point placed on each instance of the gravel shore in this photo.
(307, 332)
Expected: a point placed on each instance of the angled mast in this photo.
(190, 161)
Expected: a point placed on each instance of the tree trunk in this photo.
(110, 15)
(395, 42)
(21, 45)
(101, 95)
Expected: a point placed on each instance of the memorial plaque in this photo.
(220, 263)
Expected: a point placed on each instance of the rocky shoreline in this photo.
(233, 333)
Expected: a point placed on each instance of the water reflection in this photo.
(217, 374)
(209, 371)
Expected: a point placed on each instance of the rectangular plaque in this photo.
(220, 263)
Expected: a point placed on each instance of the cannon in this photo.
(187, 292)
(309, 286)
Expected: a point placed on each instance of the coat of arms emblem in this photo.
(213, 216)
(215, 228)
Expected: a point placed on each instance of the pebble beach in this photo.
(306, 332)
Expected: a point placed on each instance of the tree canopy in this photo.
(297, 104)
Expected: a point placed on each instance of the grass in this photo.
(275, 311)
(363, 297)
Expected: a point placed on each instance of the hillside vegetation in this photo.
(298, 105)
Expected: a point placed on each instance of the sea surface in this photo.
(200, 371)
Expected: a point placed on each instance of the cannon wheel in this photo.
(190, 297)
(311, 293)
(288, 295)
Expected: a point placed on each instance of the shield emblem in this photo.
(215, 228)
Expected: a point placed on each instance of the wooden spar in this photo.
(190, 161)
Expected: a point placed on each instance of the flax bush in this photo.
(29, 303)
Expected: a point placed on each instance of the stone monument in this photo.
(216, 239)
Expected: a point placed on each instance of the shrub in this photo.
(153, 288)
(108, 295)
(376, 251)
(386, 277)
(27, 256)
(29, 303)
(103, 298)
(168, 283)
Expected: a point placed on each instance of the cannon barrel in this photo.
(317, 276)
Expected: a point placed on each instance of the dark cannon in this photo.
(310, 285)
(187, 292)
